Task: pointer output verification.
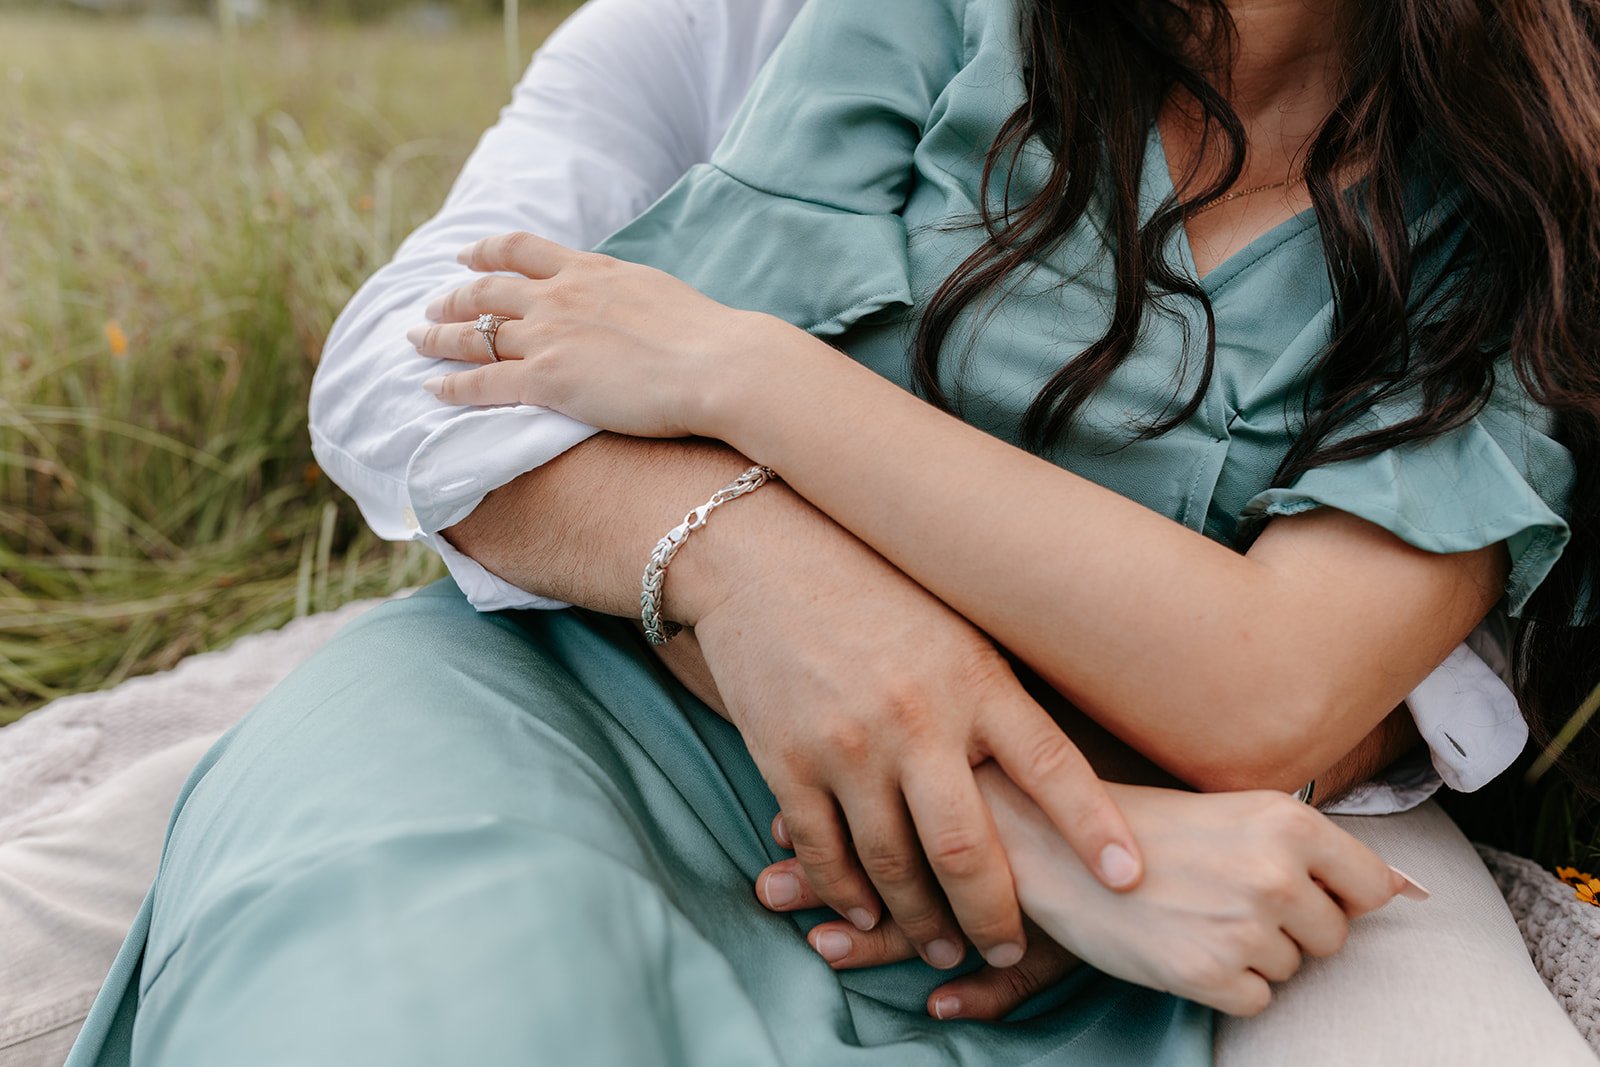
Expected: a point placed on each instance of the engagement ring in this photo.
(489, 325)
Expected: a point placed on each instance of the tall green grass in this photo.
(183, 211)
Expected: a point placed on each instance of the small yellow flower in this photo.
(1586, 886)
(117, 338)
(312, 474)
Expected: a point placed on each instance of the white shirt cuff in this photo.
(1402, 787)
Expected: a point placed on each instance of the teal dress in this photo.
(507, 839)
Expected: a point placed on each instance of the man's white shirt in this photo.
(617, 105)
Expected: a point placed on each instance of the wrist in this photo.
(762, 366)
(733, 551)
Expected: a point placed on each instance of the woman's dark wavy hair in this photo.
(1503, 96)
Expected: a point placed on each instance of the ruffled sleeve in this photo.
(819, 267)
(798, 212)
(1501, 478)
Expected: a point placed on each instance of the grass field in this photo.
(182, 213)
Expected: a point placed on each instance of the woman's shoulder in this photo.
(841, 30)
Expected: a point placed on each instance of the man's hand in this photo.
(866, 702)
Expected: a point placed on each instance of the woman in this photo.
(928, 99)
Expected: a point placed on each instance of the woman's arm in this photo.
(1228, 670)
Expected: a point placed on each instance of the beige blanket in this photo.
(51, 759)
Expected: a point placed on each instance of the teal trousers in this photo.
(456, 838)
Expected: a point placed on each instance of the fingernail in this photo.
(1005, 955)
(435, 385)
(465, 255)
(831, 945)
(416, 335)
(943, 954)
(1117, 865)
(862, 919)
(435, 310)
(780, 831)
(1413, 888)
(782, 890)
(947, 1007)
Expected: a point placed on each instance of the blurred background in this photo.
(190, 190)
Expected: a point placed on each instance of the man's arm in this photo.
(624, 98)
(616, 495)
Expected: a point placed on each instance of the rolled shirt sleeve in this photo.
(1502, 478)
(619, 103)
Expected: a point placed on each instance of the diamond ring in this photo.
(488, 326)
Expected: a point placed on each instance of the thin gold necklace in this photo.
(1238, 194)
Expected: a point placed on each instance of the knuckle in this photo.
(984, 669)
(808, 824)
(797, 767)
(1333, 941)
(1288, 818)
(1233, 948)
(563, 293)
(1274, 885)
(850, 741)
(1195, 968)
(1253, 1000)
(958, 853)
(1051, 756)
(827, 872)
(480, 290)
(889, 864)
(904, 703)
(1017, 984)
(514, 244)
(823, 864)
(889, 944)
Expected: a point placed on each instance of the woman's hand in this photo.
(614, 344)
(1240, 886)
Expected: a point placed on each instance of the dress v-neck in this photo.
(1160, 190)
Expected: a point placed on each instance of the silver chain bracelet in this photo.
(656, 630)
